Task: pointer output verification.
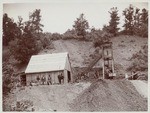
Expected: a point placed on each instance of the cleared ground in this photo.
(102, 95)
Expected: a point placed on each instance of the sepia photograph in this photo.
(75, 56)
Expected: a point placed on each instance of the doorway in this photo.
(23, 79)
(69, 76)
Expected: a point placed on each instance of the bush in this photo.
(104, 37)
(24, 105)
(7, 74)
(24, 48)
(140, 60)
(66, 37)
(56, 36)
(6, 56)
(45, 42)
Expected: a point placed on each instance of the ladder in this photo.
(92, 64)
(108, 60)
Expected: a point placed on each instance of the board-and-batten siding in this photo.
(52, 68)
(33, 77)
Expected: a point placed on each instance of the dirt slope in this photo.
(102, 95)
(110, 95)
(123, 48)
(49, 98)
(78, 51)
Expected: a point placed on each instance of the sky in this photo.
(60, 16)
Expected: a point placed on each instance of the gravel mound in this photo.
(110, 95)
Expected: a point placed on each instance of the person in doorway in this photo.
(59, 79)
(43, 80)
(38, 79)
(49, 80)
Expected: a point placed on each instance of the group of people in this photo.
(48, 80)
(43, 80)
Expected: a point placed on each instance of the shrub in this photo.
(7, 74)
(104, 37)
(66, 37)
(140, 60)
(23, 105)
(24, 48)
(45, 42)
(56, 36)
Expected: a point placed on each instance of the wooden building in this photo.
(49, 65)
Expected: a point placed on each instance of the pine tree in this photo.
(81, 25)
(26, 44)
(129, 25)
(9, 29)
(113, 29)
(35, 19)
(137, 22)
(144, 23)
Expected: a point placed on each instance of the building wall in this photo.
(54, 76)
(68, 67)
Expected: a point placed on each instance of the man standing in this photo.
(59, 79)
(49, 80)
(43, 80)
(38, 80)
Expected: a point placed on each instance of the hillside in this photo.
(101, 95)
(80, 51)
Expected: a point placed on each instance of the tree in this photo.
(113, 29)
(35, 19)
(9, 29)
(27, 43)
(144, 16)
(140, 60)
(81, 25)
(26, 46)
(144, 23)
(137, 23)
(129, 25)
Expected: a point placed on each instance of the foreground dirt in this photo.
(107, 95)
(141, 87)
(102, 95)
(48, 97)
